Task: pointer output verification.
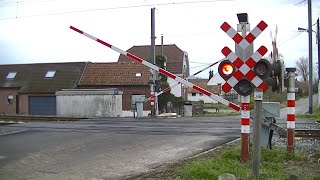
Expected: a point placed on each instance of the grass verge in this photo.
(315, 116)
(274, 165)
(218, 114)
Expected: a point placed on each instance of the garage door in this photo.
(42, 105)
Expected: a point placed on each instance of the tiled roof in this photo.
(101, 74)
(173, 53)
(203, 84)
(30, 78)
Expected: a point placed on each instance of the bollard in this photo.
(291, 110)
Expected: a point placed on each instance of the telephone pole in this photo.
(153, 60)
(310, 88)
(318, 39)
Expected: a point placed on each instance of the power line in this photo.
(23, 2)
(303, 1)
(199, 63)
(114, 8)
(294, 36)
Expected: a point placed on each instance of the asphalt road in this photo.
(301, 106)
(110, 148)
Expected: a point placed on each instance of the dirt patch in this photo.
(303, 169)
(170, 170)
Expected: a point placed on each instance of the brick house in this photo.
(130, 78)
(177, 62)
(194, 95)
(30, 88)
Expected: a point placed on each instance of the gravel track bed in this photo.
(308, 147)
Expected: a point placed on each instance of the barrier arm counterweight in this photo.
(161, 71)
(177, 83)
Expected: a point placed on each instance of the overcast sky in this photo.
(37, 31)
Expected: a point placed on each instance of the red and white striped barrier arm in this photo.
(161, 71)
(176, 84)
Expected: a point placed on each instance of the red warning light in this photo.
(227, 69)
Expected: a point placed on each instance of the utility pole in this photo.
(153, 60)
(318, 39)
(310, 90)
(162, 44)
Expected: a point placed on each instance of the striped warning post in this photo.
(152, 98)
(291, 110)
(244, 43)
(244, 69)
(245, 114)
(245, 127)
(161, 71)
(290, 121)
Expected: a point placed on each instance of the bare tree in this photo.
(302, 67)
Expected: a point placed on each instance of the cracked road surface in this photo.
(111, 148)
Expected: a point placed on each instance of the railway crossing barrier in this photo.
(160, 70)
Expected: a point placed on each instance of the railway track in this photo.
(307, 133)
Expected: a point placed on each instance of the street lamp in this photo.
(310, 62)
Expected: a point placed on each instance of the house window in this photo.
(193, 94)
(10, 99)
(11, 75)
(50, 74)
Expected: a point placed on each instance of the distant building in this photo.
(129, 77)
(30, 88)
(194, 95)
(177, 62)
(216, 80)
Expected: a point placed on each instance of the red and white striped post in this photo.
(152, 102)
(291, 110)
(245, 127)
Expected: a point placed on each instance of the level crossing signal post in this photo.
(244, 73)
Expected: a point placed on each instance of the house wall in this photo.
(198, 97)
(6, 108)
(89, 103)
(24, 105)
(128, 91)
